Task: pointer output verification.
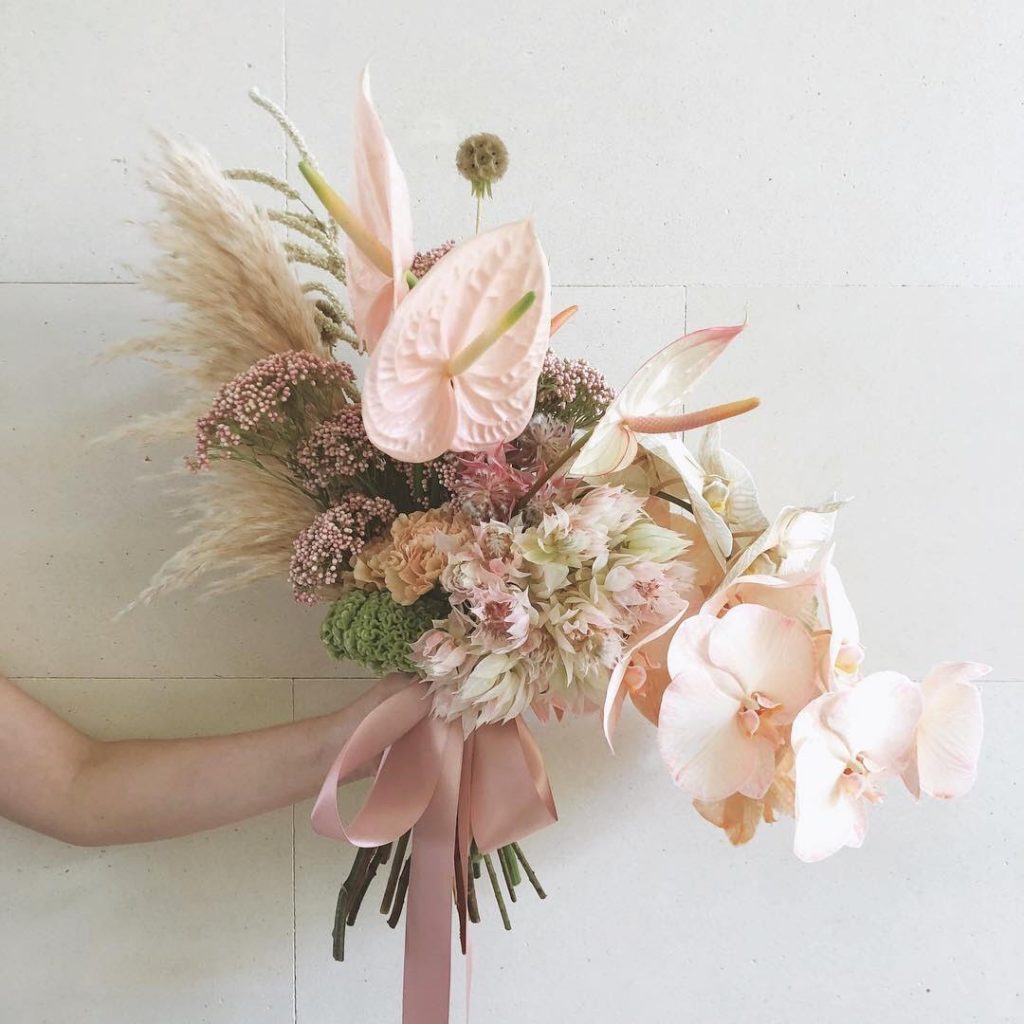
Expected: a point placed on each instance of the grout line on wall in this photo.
(632, 285)
(987, 681)
(295, 932)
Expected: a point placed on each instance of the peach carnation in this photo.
(409, 561)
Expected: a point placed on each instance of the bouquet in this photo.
(492, 523)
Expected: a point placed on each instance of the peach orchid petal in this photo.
(381, 201)
(658, 388)
(945, 760)
(844, 743)
(735, 682)
(413, 408)
(616, 693)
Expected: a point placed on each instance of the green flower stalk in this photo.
(369, 627)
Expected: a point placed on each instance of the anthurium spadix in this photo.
(456, 368)
(652, 402)
(944, 759)
(845, 743)
(378, 224)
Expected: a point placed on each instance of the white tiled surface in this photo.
(197, 930)
(845, 176)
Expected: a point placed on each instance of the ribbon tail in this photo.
(428, 927)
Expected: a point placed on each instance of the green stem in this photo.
(674, 500)
(380, 856)
(507, 873)
(403, 888)
(529, 871)
(393, 875)
(493, 875)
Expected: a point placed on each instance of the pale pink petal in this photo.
(659, 387)
(950, 730)
(412, 408)
(611, 447)
(701, 738)
(763, 770)
(769, 653)
(828, 815)
(877, 718)
(690, 641)
(616, 692)
(792, 597)
(381, 201)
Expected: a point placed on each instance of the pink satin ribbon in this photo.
(450, 790)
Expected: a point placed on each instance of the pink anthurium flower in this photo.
(456, 368)
(736, 683)
(944, 759)
(652, 402)
(377, 226)
(381, 201)
(845, 742)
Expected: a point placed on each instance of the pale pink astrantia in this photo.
(944, 758)
(737, 681)
(845, 744)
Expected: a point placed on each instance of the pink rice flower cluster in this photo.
(424, 260)
(338, 448)
(258, 398)
(332, 542)
(541, 613)
(573, 391)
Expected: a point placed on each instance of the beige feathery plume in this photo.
(245, 523)
(221, 260)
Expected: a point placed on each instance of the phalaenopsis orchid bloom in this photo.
(845, 744)
(737, 682)
(944, 759)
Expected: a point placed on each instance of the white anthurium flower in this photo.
(798, 540)
(944, 763)
(718, 486)
(845, 743)
(653, 399)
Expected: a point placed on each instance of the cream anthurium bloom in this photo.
(944, 762)
(798, 540)
(736, 682)
(721, 491)
(845, 743)
(652, 402)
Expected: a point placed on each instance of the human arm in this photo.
(58, 781)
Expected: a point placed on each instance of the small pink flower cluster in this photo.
(338, 448)
(572, 390)
(258, 398)
(423, 261)
(326, 548)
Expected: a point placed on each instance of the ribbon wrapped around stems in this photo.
(449, 789)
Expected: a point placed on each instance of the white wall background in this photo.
(847, 176)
